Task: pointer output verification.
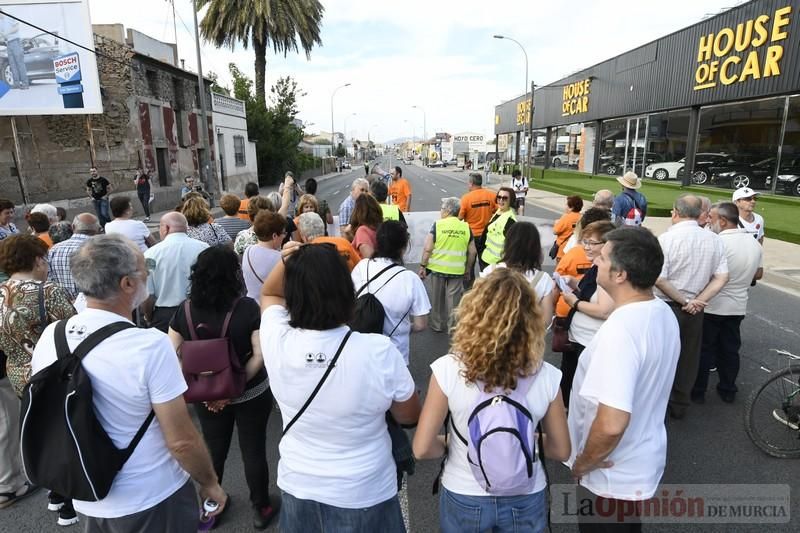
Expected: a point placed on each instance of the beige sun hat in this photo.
(630, 180)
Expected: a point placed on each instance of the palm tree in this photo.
(261, 23)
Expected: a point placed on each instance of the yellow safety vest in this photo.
(450, 249)
(496, 238)
(390, 212)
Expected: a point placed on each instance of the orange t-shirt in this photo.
(563, 229)
(477, 208)
(574, 263)
(400, 191)
(45, 237)
(344, 248)
(243, 205)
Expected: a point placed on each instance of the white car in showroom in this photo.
(673, 169)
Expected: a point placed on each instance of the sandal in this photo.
(10, 498)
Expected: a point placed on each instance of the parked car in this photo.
(612, 164)
(452, 162)
(39, 52)
(703, 161)
(559, 158)
(346, 164)
(788, 178)
(436, 164)
(743, 173)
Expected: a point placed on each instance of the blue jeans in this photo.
(462, 514)
(307, 516)
(102, 210)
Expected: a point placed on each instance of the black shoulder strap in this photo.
(319, 385)
(42, 310)
(373, 278)
(87, 345)
(402, 269)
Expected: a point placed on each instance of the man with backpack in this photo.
(630, 207)
(116, 436)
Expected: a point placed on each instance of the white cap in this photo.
(744, 192)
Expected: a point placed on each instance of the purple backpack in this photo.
(502, 441)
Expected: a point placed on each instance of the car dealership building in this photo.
(721, 97)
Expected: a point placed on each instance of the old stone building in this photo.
(151, 117)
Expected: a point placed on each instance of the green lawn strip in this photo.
(782, 214)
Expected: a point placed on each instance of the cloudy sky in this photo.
(438, 55)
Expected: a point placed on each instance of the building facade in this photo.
(717, 103)
(151, 117)
(236, 160)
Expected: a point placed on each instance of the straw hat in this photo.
(630, 180)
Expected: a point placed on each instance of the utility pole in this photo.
(206, 173)
(530, 132)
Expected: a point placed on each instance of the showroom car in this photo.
(674, 169)
(612, 164)
(742, 173)
(788, 178)
(39, 52)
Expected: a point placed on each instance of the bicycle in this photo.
(772, 413)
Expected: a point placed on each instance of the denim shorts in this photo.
(308, 516)
(502, 514)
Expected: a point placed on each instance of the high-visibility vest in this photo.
(496, 238)
(390, 212)
(450, 249)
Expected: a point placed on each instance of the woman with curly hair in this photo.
(200, 222)
(364, 222)
(498, 344)
(217, 288)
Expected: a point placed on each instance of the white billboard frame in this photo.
(46, 93)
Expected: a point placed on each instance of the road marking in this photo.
(336, 192)
(443, 190)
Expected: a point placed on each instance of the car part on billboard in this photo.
(47, 66)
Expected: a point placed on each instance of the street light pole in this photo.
(345, 130)
(333, 134)
(524, 94)
(424, 133)
(206, 167)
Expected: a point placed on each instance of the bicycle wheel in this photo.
(772, 410)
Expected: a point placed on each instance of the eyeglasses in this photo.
(504, 198)
(587, 242)
(749, 199)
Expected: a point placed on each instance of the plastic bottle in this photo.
(206, 521)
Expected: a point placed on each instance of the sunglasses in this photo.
(505, 198)
(586, 242)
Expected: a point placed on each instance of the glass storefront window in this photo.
(613, 141)
(666, 145)
(737, 144)
(538, 147)
(788, 181)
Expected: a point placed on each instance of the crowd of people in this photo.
(263, 307)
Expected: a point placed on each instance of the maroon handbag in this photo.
(211, 368)
(560, 329)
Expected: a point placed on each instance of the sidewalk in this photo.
(781, 258)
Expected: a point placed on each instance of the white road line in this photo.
(443, 190)
(335, 192)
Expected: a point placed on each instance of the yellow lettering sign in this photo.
(575, 98)
(738, 55)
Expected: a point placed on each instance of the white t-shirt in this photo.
(257, 262)
(338, 452)
(756, 227)
(135, 230)
(405, 295)
(629, 365)
(583, 327)
(461, 398)
(744, 255)
(130, 371)
(543, 287)
(519, 185)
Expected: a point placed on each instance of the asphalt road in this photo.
(708, 447)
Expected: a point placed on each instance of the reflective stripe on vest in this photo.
(450, 249)
(390, 212)
(496, 238)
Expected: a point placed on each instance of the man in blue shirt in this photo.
(630, 207)
(169, 264)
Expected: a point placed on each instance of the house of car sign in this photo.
(67, 68)
(575, 98)
(723, 57)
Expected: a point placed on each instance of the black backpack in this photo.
(64, 446)
(369, 314)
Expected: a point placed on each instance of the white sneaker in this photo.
(780, 416)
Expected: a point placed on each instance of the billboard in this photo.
(43, 69)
